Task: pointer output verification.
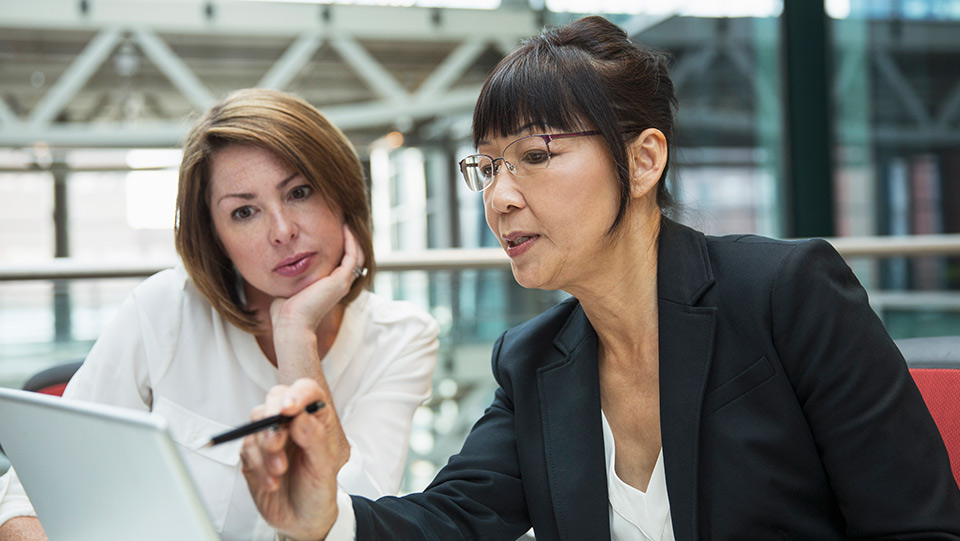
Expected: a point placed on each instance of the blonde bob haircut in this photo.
(294, 131)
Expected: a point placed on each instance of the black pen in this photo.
(274, 421)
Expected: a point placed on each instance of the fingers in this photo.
(254, 468)
(316, 299)
(265, 455)
(305, 428)
(290, 401)
(299, 395)
(294, 485)
(316, 435)
(266, 450)
(351, 249)
(254, 450)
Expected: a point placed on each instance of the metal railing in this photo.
(457, 259)
(428, 260)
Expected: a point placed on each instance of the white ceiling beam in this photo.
(292, 61)
(368, 68)
(373, 114)
(451, 68)
(174, 68)
(271, 18)
(161, 134)
(506, 45)
(170, 134)
(7, 116)
(74, 77)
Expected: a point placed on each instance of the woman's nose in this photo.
(503, 194)
(284, 228)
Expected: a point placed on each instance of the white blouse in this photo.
(167, 350)
(636, 515)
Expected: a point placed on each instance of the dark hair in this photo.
(585, 75)
(295, 132)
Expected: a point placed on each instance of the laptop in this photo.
(99, 472)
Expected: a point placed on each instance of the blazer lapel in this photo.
(570, 397)
(573, 436)
(686, 348)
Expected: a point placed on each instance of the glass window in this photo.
(896, 89)
(26, 218)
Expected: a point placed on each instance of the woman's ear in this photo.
(648, 157)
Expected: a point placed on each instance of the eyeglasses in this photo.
(524, 157)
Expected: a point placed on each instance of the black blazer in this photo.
(786, 413)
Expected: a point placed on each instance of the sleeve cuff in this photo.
(345, 527)
(353, 477)
(14, 501)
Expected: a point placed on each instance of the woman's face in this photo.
(275, 228)
(553, 224)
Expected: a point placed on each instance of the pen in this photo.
(274, 421)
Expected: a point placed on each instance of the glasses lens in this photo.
(477, 171)
(528, 156)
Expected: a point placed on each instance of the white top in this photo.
(634, 515)
(167, 350)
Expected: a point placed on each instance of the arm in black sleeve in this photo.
(478, 495)
(881, 449)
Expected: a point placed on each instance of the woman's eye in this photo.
(300, 192)
(535, 156)
(242, 213)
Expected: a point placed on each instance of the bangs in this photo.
(540, 88)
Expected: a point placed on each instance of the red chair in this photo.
(935, 365)
(52, 380)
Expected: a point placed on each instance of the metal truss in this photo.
(911, 74)
(127, 73)
(150, 26)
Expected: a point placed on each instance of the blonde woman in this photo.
(273, 229)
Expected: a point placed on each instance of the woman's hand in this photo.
(296, 320)
(292, 472)
(307, 308)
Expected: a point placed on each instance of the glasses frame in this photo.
(547, 138)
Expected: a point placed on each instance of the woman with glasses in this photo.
(693, 387)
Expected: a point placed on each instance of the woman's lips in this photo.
(294, 266)
(518, 245)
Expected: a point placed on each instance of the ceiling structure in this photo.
(130, 73)
(120, 73)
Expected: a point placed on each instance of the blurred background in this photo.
(798, 118)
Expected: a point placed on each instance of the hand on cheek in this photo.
(307, 308)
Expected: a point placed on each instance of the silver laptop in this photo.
(97, 472)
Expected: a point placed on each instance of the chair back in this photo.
(52, 380)
(935, 365)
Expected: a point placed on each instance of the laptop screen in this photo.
(99, 472)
